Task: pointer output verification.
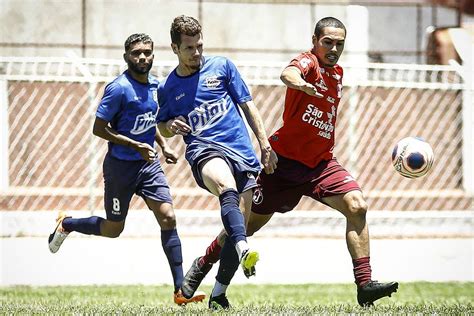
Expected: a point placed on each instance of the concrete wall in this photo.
(240, 31)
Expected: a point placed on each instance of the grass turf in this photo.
(411, 298)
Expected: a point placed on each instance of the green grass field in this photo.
(411, 298)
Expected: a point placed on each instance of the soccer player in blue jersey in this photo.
(126, 118)
(200, 101)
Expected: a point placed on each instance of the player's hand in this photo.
(170, 155)
(178, 126)
(269, 160)
(311, 90)
(147, 152)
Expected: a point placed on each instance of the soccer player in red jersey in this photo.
(306, 165)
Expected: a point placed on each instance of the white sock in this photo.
(218, 289)
(240, 247)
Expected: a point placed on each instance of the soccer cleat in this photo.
(372, 291)
(194, 277)
(181, 300)
(219, 302)
(56, 239)
(248, 261)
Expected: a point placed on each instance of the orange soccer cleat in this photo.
(179, 299)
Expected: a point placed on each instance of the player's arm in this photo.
(293, 78)
(168, 152)
(103, 130)
(174, 126)
(269, 158)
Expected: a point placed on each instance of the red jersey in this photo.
(308, 130)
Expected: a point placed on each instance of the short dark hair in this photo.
(184, 25)
(328, 22)
(137, 37)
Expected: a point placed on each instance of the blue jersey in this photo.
(209, 99)
(130, 107)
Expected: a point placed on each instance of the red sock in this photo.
(362, 271)
(212, 255)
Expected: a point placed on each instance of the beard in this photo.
(137, 69)
(195, 67)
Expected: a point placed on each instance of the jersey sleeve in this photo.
(236, 85)
(305, 63)
(163, 113)
(110, 103)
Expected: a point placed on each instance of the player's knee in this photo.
(168, 220)
(358, 208)
(166, 216)
(112, 229)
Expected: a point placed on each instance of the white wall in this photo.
(228, 28)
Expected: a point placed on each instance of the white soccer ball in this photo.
(412, 157)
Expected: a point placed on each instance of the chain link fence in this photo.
(54, 162)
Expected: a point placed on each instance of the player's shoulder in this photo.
(306, 58)
(308, 55)
(117, 85)
(217, 61)
(152, 80)
(121, 79)
(167, 80)
(305, 61)
(120, 83)
(338, 69)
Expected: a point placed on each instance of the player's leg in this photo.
(213, 251)
(93, 225)
(202, 265)
(229, 260)
(118, 193)
(257, 221)
(171, 244)
(338, 189)
(219, 180)
(353, 206)
(153, 187)
(248, 262)
(278, 196)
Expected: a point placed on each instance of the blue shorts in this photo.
(244, 179)
(123, 178)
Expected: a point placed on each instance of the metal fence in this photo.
(54, 161)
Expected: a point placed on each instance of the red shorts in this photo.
(282, 190)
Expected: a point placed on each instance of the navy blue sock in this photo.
(232, 217)
(172, 247)
(88, 225)
(228, 264)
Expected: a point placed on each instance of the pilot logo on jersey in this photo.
(143, 123)
(207, 114)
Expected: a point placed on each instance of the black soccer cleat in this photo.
(194, 277)
(219, 302)
(372, 291)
